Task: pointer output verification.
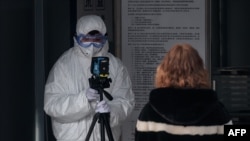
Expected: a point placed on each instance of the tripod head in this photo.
(99, 79)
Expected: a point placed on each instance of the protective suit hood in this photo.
(89, 23)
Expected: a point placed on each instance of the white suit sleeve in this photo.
(62, 102)
(123, 97)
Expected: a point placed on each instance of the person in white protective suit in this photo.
(68, 98)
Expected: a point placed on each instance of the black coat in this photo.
(182, 114)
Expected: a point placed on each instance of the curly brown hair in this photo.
(181, 67)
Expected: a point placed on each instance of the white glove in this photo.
(102, 107)
(92, 94)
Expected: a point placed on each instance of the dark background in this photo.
(33, 34)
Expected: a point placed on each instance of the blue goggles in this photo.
(86, 41)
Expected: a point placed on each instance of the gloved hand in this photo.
(92, 94)
(102, 107)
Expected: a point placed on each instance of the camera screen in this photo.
(100, 66)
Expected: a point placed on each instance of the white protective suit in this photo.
(65, 90)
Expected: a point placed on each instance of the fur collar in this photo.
(183, 106)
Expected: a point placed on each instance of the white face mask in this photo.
(90, 51)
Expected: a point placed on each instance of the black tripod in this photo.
(103, 118)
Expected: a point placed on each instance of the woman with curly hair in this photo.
(182, 106)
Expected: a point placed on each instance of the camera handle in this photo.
(109, 97)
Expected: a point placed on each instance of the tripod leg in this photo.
(96, 116)
(102, 128)
(107, 125)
